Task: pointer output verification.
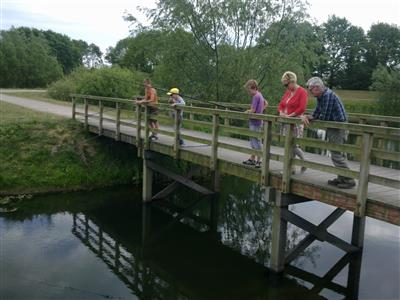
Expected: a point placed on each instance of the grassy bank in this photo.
(43, 153)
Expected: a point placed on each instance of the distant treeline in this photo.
(210, 48)
(35, 58)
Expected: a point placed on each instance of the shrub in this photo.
(62, 89)
(386, 83)
(107, 82)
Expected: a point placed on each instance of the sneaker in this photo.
(249, 162)
(181, 143)
(258, 164)
(303, 169)
(335, 181)
(346, 185)
(153, 138)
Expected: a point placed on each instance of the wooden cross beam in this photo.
(320, 233)
(172, 187)
(307, 241)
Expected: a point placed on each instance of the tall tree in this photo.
(224, 32)
(345, 49)
(384, 46)
(28, 61)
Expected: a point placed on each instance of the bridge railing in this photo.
(212, 121)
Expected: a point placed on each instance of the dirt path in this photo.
(37, 105)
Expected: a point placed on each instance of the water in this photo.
(105, 245)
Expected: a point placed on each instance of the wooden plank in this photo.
(86, 113)
(179, 178)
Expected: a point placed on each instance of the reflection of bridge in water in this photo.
(158, 266)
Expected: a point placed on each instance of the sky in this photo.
(101, 22)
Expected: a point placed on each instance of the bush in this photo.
(107, 82)
(386, 83)
(62, 89)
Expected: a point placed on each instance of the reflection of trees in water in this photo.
(246, 224)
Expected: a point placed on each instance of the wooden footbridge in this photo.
(217, 139)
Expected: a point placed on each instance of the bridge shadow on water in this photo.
(214, 251)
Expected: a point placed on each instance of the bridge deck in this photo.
(383, 202)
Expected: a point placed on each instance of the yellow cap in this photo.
(173, 91)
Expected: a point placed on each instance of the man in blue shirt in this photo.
(330, 108)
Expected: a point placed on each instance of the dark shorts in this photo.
(152, 112)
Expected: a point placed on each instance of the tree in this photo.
(386, 82)
(222, 39)
(345, 48)
(383, 46)
(28, 61)
(92, 56)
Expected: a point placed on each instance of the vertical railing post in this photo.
(287, 159)
(73, 108)
(359, 139)
(365, 161)
(381, 145)
(214, 153)
(118, 122)
(86, 114)
(226, 121)
(101, 109)
(146, 128)
(214, 142)
(267, 136)
(177, 132)
(191, 115)
(139, 129)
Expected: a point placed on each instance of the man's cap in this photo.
(173, 91)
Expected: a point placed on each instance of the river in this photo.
(105, 244)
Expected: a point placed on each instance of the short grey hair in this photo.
(315, 81)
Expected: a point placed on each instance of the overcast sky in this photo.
(101, 22)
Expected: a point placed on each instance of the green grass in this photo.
(40, 152)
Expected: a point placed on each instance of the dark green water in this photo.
(106, 245)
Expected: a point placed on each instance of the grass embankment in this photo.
(43, 153)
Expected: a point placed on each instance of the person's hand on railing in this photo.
(306, 119)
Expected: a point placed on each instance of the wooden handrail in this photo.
(364, 150)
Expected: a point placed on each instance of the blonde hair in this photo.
(251, 84)
(289, 76)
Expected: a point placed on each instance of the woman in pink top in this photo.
(293, 104)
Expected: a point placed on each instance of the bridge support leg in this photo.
(147, 181)
(357, 237)
(216, 181)
(279, 230)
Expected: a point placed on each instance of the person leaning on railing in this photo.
(293, 104)
(177, 100)
(150, 97)
(330, 108)
(258, 104)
